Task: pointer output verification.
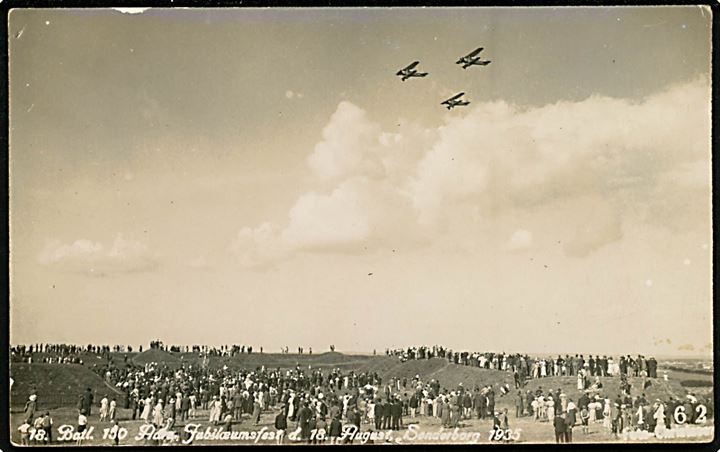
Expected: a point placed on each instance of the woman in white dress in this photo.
(607, 422)
(215, 408)
(158, 414)
(147, 406)
(592, 411)
(291, 405)
(536, 408)
(580, 380)
(111, 410)
(103, 409)
(370, 413)
(550, 410)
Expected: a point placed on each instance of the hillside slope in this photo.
(55, 384)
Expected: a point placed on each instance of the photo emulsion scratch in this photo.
(360, 225)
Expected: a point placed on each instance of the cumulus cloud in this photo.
(350, 146)
(492, 159)
(94, 258)
(601, 225)
(500, 155)
(520, 240)
(258, 247)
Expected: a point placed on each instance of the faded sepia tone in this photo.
(264, 177)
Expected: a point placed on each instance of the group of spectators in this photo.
(524, 367)
(307, 399)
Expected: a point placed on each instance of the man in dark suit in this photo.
(86, 401)
(569, 424)
(335, 427)
(386, 412)
(378, 414)
(396, 413)
(304, 415)
(560, 427)
(491, 400)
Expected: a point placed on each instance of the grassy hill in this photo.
(61, 384)
(55, 384)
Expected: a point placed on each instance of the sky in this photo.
(262, 177)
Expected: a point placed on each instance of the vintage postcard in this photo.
(360, 226)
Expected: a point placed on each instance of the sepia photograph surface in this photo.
(360, 226)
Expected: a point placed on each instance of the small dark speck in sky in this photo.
(546, 266)
(369, 274)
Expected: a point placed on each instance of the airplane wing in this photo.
(411, 65)
(452, 99)
(475, 52)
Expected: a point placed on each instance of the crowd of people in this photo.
(526, 367)
(308, 399)
(619, 415)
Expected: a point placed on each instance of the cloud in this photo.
(610, 156)
(131, 10)
(501, 156)
(356, 214)
(350, 146)
(94, 258)
(338, 219)
(601, 224)
(520, 240)
(258, 247)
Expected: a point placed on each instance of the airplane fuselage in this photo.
(467, 62)
(406, 75)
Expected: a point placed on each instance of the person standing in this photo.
(491, 400)
(47, 424)
(257, 409)
(584, 418)
(86, 401)
(112, 409)
(185, 407)
(386, 414)
(396, 414)
(304, 415)
(504, 419)
(569, 424)
(82, 425)
(560, 428)
(30, 407)
(24, 430)
(413, 403)
(158, 414)
(281, 425)
(519, 404)
(103, 409)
